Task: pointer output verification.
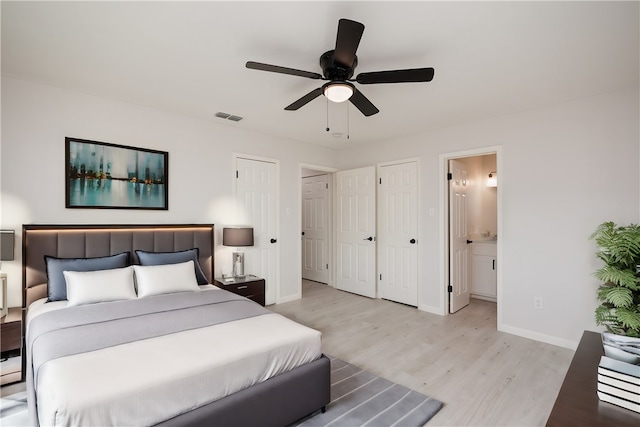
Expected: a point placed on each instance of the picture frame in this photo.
(99, 175)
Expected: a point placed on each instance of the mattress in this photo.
(146, 381)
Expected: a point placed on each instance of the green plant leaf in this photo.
(629, 318)
(620, 297)
(615, 275)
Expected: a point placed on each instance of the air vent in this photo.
(228, 116)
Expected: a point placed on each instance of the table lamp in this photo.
(237, 237)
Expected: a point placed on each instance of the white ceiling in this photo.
(490, 58)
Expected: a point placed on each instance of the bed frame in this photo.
(278, 401)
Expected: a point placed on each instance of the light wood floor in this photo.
(484, 377)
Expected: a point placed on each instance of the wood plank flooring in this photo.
(484, 377)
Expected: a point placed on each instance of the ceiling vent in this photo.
(227, 116)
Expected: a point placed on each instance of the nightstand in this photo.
(11, 346)
(251, 287)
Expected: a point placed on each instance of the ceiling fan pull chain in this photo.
(327, 114)
(348, 123)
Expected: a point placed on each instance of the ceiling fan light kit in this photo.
(338, 67)
(338, 92)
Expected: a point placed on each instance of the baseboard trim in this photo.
(289, 298)
(431, 309)
(536, 336)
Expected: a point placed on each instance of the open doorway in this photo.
(471, 223)
(316, 186)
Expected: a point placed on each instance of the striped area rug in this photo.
(359, 398)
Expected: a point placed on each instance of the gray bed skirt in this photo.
(276, 402)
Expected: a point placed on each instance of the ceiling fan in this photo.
(338, 66)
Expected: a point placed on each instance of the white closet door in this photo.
(356, 231)
(315, 228)
(256, 202)
(398, 233)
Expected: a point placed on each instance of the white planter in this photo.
(622, 348)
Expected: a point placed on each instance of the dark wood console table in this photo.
(577, 403)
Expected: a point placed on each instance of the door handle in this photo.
(303, 233)
(469, 241)
(369, 238)
(494, 264)
(412, 241)
(273, 240)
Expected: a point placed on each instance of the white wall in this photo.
(564, 170)
(36, 119)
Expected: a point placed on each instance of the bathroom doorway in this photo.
(471, 222)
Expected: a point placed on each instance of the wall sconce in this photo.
(493, 179)
(237, 237)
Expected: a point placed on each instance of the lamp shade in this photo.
(7, 242)
(240, 236)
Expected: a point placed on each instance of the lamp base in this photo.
(238, 264)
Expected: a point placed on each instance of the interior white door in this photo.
(458, 235)
(356, 226)
(315, 228)
(398, 233)
(256, 198)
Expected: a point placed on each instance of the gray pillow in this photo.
(161, 258)
(57, 286)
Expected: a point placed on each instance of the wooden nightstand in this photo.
(251, 287)
(11, 345)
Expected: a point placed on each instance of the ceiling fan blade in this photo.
(363, 104)
(347, 41)
(282, 70)
(304, 100)
(396, 76)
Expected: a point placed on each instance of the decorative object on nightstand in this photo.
(237, 237)
(7, 242)
(249, 286)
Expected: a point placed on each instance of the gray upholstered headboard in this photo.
(81, 241)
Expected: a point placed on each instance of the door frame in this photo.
(331, 218)
(237, 156)
(444, 223)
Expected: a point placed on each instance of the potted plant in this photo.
(619, 294)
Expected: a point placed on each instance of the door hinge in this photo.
(381, 277)
(450, 288)
(236, 174)
(449, 176)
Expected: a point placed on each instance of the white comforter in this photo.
(142, 383)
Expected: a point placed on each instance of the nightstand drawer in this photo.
(249, 288)
(11, 336)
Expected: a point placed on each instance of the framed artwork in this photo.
(109, 176)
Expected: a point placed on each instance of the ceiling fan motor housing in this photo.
(333, 70)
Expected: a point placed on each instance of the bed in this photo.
(194, 355)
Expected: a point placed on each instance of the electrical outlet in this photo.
(538, 303)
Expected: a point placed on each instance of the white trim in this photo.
(237, 156)
(536, 336)
(444, 213)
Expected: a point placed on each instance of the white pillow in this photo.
(90, 287)
(165, 279)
